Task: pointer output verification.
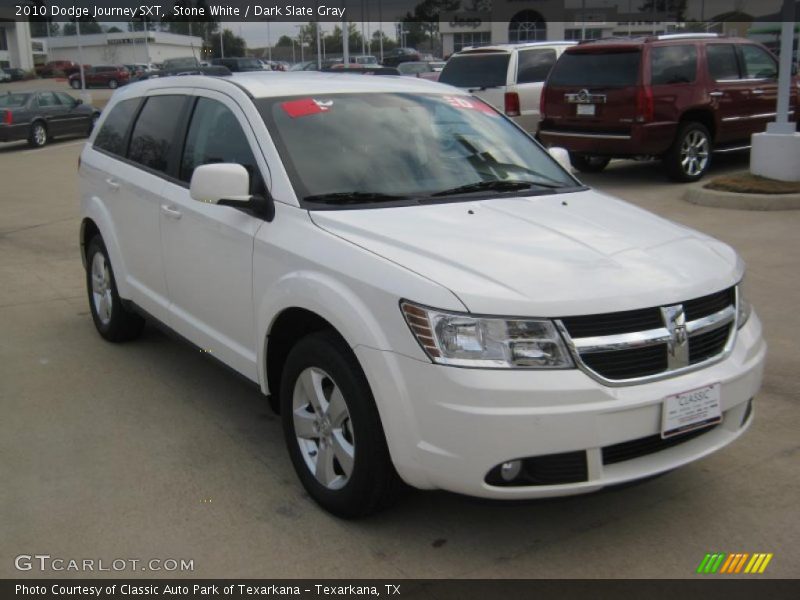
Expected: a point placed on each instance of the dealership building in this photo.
(122, 47)
(512, 21)
(15, 44)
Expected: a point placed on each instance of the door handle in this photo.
(171, 212)
(757, 92)
(716, 94)
(112, 184)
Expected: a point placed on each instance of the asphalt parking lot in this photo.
(153, 450)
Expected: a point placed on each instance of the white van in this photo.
(510, 77)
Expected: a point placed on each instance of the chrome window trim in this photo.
(640, 339)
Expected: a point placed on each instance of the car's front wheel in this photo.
(588, 163)
(76, 84)
(113, 84)
(113, 321)
(332, 428)
(690, 155)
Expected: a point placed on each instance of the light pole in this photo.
(380, 27)
(269, 43)
(319, 48)
(221, 43)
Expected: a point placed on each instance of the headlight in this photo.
(745, 308)
(486, 342)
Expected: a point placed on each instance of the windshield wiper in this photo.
(494, 185)
(354, 197)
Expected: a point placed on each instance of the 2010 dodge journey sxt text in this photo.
(424, 292)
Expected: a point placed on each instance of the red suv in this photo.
(111, 76)
(677, 97)
(55, 67)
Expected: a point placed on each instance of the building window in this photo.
(527, 26)
(3, 39)
(471, 39)
(575, 34)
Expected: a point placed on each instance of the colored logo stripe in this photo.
(736, 562)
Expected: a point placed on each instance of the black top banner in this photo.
(432, 11)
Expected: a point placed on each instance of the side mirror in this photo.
(228, 184)
(562, 157)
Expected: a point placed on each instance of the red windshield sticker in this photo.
(470, 104)
(305, 107)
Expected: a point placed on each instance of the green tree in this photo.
(284, 42)
(233, 44)
(113, 29)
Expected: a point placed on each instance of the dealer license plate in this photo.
(586, 110)
(691, 410)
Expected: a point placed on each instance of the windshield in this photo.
(11, 100)
(596, 69)
(342, 148)
(476, 70)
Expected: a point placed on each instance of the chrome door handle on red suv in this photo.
(716, 94)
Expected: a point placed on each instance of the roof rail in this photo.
(682, 36)
(612, 38)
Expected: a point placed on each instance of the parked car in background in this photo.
(238, 64)
(424, 292)
(510, 77)
(415, 68)
(365, 59)
(110, 76)
(16, 74)
(42, 115)
(676, 97)
(4, 77)
(56, 67)
(182, 62)
(400, 55)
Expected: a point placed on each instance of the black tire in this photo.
(588, 163)
(75, 84)
(680, 162)
(113, 84)
(373, 482)
(37, 137)
(119, 324)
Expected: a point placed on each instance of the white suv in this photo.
(424, 292)
(510, 77)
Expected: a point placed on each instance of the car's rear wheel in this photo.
(113, 84)
(38, 134)
(332, 428)
(113, 321)
(76, 84)
(588, 163)
(689, 157)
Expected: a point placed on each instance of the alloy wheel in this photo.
(323, 428)
(101, 288)
(39, 134)
(694, 153)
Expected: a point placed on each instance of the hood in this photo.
(548, 256)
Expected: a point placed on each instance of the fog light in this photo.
(510, 470)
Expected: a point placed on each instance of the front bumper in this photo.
(448, 427)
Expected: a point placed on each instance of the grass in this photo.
(746, 183)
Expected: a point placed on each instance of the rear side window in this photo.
(758, 64)
(673, 64)
(215, 136)
(45, 99)
(477, 70)
(596, 69)
(535, 65)
(722, 63)
(111, 136)
(154, 133)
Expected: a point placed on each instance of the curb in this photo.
(697, 194)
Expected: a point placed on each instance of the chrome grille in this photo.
(653, 343)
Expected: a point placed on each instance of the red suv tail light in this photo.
(512, 104)
(8, 117)
(644, 104)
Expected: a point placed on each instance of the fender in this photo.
(94, 210)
